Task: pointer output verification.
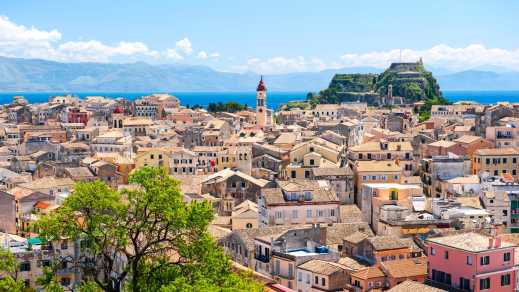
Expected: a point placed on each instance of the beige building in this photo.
(385, 151)
(298, 202)
(374, 172)
(318, 275)
(158, 157)
(315, 153)
(245, 216)
(497, 161)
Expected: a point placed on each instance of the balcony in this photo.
(262, 258)
(504, 136)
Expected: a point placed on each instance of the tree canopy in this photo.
(231, 107)
(144, 238)
(9, 281)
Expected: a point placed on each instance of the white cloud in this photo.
(204, 55)
(441, 56)
(24, 42)
(18, 40)
(99, 52)
(173, 54)
(29, 42)
(184, 46)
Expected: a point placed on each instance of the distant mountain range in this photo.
(27, 75)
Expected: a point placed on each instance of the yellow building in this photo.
(312, 154)
(497, 161)
(375, 172)
(152, 156)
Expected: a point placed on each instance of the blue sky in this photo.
(265, 36)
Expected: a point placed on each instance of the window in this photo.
(248, 226)
(394, 195)
(484, 260)
(446, 255)
(25, 267)
(294, 214)
(309, 213)
(323, 281)
(316, 280)
(64, 244)
(433, 251)
(312, 162)
(152, 156)
(360, 155)
(484, 283)
(279, 214)
(504, 160)
(320, 213)
(293, 174)
(307, 278)
(506, 257)
(514, 160)
(505, 280)
(464, 283)
(299, 276)
(487, 161)
(469, 260)
(332, 212)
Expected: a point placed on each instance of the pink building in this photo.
(472, 262)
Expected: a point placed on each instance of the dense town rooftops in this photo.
(470, 241)
(443, 144)
(322, 267)
(467, 139)
(386, 242)
(498, 151)
(227, 173)
(413, 286)
(377, 146)
(377, 166)
(406, 268)
(368, 273)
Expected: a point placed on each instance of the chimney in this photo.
(490, 242)
(497, 242)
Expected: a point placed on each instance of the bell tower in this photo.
(261, 109)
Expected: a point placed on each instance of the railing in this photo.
(262, 258)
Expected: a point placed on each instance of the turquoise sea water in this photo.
(274, 99)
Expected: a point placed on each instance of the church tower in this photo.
(261, 109)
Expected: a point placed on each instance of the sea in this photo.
(274, 99)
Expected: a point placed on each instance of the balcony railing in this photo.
(262, 258)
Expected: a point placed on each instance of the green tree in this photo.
(9, 281)
(48, 280)
(160, 239)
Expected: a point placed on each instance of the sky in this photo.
(278, 36)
